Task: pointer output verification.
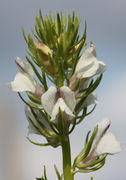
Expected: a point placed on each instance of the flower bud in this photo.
(43, 48)
(44, 54)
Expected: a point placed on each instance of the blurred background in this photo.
(106, 22)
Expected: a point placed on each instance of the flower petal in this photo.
(63, 107)
(69, 97)
(91, 99)
(102, 67)
(88, 65)
(48, 99)
(24, 67)
(23, 82)
(102, 128)
(108, 144)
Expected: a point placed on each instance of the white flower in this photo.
(54, 99)
(24, 80)
(105, 142)
(88, 65)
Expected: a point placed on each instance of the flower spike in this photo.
(65, 94)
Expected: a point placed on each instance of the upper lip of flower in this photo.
(88, 65)
(24, 80)
(102, 128)
(24, 67)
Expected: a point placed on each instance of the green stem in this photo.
(59, 81)
(66, 153)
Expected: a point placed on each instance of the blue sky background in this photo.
(107, 28)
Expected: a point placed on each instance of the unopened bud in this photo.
(44, 53)
(43, 48)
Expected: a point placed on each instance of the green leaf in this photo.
(81, 117)
(91, 141)
(89, 144)
(38, 144)
(73, 126)
(33, 98)
(45, 176)
(91, 110)
(79, 104)
(29, 103)
(24, 35)
(87, 137)
(44, 80)
(94, 85)
(59, 24)
(57, 173)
